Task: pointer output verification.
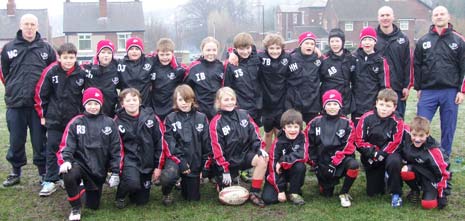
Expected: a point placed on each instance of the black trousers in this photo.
(295, 176)
(423, 183)
(53, 141)
(92, 188)
(327, 183)
(190, 184)
(375, 175)
(135, 184)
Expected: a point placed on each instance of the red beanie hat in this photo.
(368, 32)
(135, 41)
(92, 94)
(332, 95)
(101, 45)
(306, 35)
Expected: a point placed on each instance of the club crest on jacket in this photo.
(149, 123)
(107, 130)
(199, 127)
(244, 123)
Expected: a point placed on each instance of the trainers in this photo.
(167, 200)
(345, 200)
(48, 188)
(75, 214)
(60, 183)
(296, 199)
(12, 180)
(120, 203)
(413, 197)
(178, 184)
(256, 200)
(396, 201)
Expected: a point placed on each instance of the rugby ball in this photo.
(234, 195)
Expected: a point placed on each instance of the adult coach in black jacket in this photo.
(22, 61)
(394, 45)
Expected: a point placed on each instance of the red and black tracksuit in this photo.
(331, 152)
(91, 143)
(189, 147)
(22, 63)
(107, 80)
(273, 74)
(303, 85)
(371, 76)
(243, 79)
(58, 98)
(395, 47)
(165, 78)
(427, 170)
(137, 74)
(336, 72)
(379, 140)
(235, 140)
(205, 78)
(292, 156)
(143, 142)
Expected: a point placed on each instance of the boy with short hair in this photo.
(57, 99)
(426, 168)
(135, 69)
(378, 136)
(371, 74)
(303, 85)
(331, 148)
(288, 156)
(102, 73)
(274, 71)
(89, 149)
(243, 78)
(166, 75)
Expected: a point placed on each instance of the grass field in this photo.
(22, 202)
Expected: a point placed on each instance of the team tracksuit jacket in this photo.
(137, 74)
(303, 83)
(205, 78)
(337, 72)
(58, 95)
(371, 76)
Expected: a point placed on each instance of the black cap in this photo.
(337, 32)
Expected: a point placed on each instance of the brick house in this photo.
(413, 17)
(11, 16)
(86, 23)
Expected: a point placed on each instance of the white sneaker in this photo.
(48, 188)
(60, 183)
(345, 200)
(75, 214)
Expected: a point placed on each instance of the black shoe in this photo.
(120, 203)
(167, 200)
(12, 180)
(256, 199)
(413, 196)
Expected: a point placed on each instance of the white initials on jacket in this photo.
(293, 67)
(426, 44)
(226, 130)
(238, 73)
(55, 79)
(332, 71)
(121, 67)
(266, 61)
(317, 131)
(177, 126)
(200, 76)
(89, 74)
(12, 53)
(80, 129)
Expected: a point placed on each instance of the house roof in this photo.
(366, 10)
(288, 8)
(10, 24)
(318, 31)
(83, 17)
(313, 3)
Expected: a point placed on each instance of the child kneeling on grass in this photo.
(89, 148)
(288, 155)
(331, 148)
(426, 167)
(236, 145)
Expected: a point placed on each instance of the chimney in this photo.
(11, 8)
(103, 8)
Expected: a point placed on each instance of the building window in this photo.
(348, 44)
(349, 26)
(279, 18)
(84, 42)
(122, 37)
(403, 25)
(365, 24)
(289, 35)
(303, 17)
(294, 18)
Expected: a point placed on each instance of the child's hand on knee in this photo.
(282, 197)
